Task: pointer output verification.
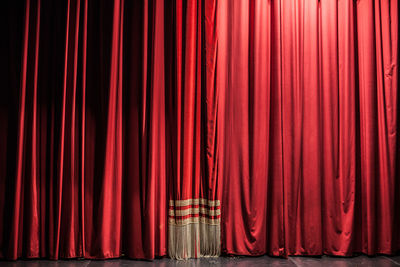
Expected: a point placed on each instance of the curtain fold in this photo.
(197, 128)
(311, 103)
(194, 202)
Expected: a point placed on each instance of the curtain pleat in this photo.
(310, 141)
(197, 128)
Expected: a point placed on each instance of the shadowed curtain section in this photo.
(84, 164)
(195, 128)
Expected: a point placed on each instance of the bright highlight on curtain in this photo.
(199, 128)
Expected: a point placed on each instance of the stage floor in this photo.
(324, 261)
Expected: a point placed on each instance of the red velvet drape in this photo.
(311, 124)
(285, 113)
(83, 171)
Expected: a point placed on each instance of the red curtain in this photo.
(188, 128)
(310, 127)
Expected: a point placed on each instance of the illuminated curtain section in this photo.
(311, 126)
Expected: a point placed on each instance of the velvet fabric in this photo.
(311, 145)
(282, 114)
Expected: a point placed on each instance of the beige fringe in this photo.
(194, 240)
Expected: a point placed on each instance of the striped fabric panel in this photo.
(194, 201)
(182, 212)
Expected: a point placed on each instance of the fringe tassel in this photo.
(194, 240)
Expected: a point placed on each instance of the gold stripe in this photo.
(194, 211)
(194, 201)
(203, 220)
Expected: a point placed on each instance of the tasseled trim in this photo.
(194, 228)
(194, 240)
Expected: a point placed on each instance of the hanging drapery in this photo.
(198, 128)
(194, 203)
(311, 148)
(72, 134)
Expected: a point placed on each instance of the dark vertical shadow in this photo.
(357, 225)
(12, 28)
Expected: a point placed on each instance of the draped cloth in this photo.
(311, 141)
(197, 128)
(194, 203)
